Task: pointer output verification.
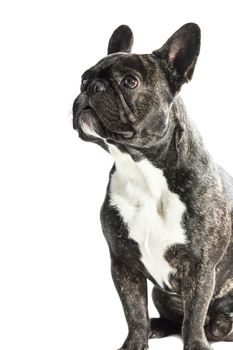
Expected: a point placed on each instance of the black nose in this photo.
(97, 86)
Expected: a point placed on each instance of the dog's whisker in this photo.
(69, 116)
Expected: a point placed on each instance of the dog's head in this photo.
(126, 98)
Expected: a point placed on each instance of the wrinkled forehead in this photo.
(119, 62)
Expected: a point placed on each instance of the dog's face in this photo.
(126, 98)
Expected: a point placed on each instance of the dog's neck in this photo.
(181, 143)
(180, 152)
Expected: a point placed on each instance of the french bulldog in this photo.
(168, 210)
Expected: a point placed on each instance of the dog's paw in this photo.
(134, 344)
(198, 345)
(135, 347)
(161, 327)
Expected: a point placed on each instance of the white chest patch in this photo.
(150, 210)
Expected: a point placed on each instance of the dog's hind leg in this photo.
(220, 319)
(170, 310)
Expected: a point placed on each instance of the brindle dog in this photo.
(167, 214)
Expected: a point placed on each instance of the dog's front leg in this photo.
(132, 290)
(197, 290)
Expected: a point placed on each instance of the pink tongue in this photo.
(86, 123)
(88, 129)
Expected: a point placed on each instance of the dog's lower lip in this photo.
(85, 118)
(90, 123)
(127, 134)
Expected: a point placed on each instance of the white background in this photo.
(55, 286)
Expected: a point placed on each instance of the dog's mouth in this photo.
(91, 124)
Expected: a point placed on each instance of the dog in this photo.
(168, 210)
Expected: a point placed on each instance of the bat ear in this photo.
(181, 51)
(121, 40)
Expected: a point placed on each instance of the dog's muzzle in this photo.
(86, 118)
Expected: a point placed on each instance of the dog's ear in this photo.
(180, 52)
(121, 40)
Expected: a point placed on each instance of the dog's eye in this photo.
(130, 82)
(84, 82)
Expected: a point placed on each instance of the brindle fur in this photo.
(200, 302)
